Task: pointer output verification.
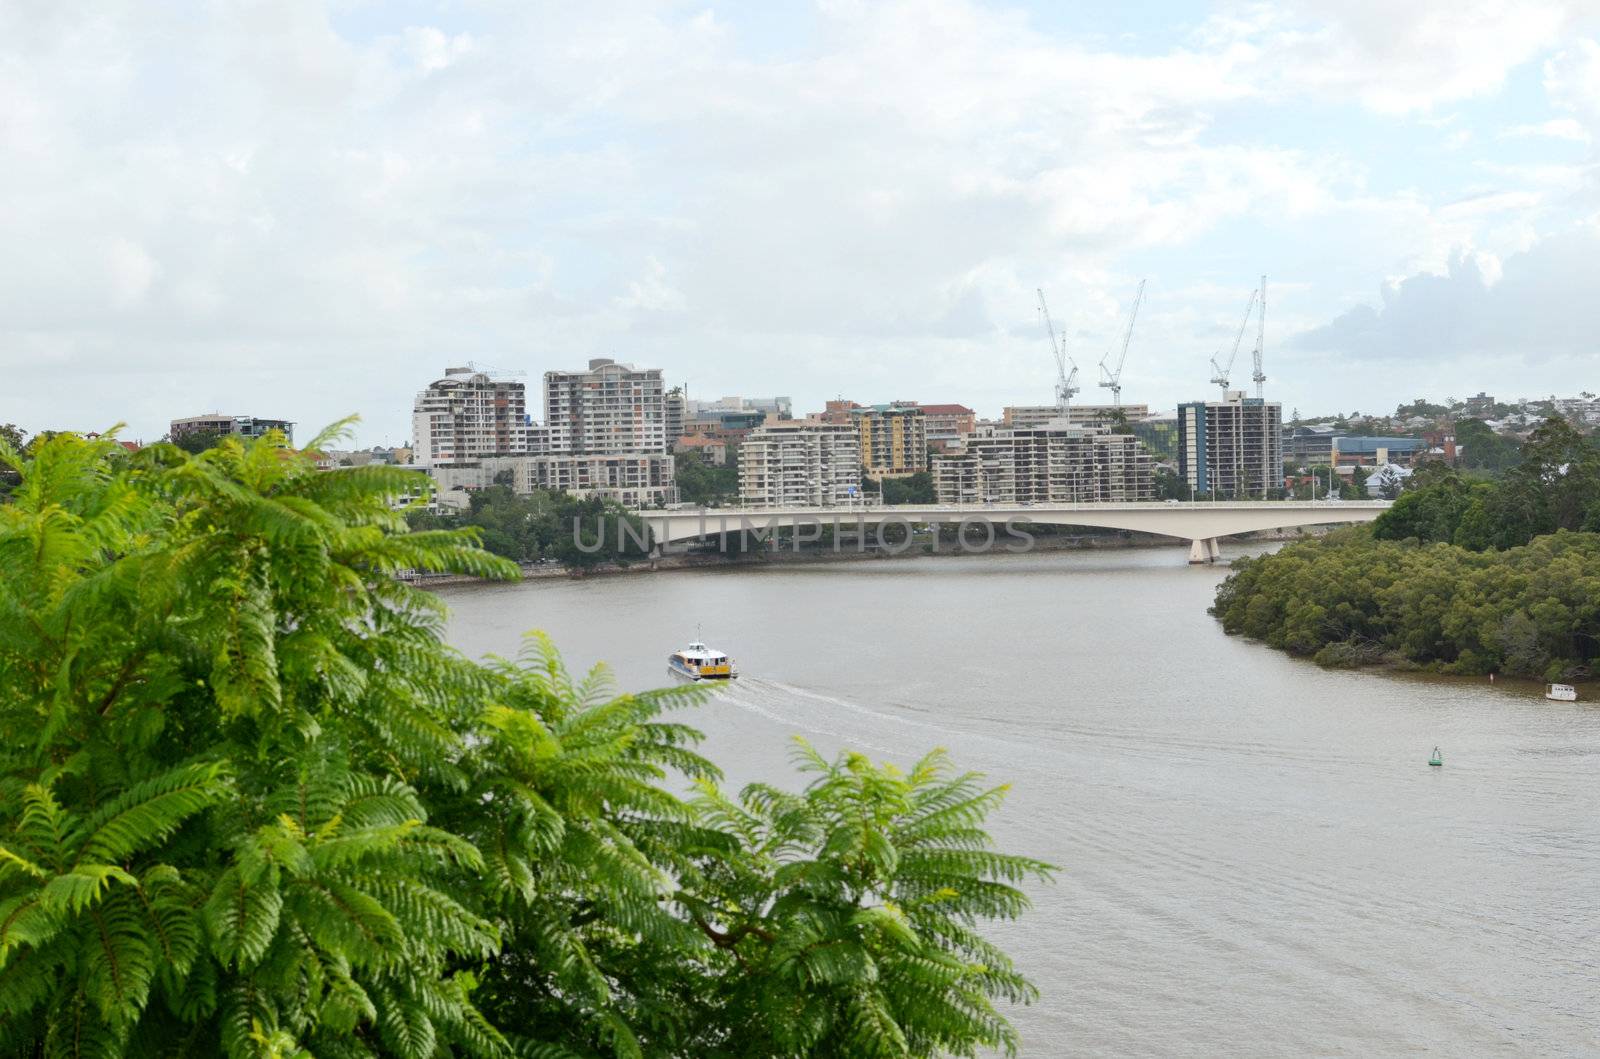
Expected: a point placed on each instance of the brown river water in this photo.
(1256, 858)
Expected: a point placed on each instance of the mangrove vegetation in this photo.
(1463, 574)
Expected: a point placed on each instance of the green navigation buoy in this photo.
(1437, 760)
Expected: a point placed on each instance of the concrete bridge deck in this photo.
(1199, 522)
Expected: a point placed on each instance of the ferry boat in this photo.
(1561, 692)
(699, 662)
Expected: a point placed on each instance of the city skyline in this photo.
(811, 201)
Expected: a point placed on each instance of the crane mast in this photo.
(1066, 382)
(1112, 380)
(1221, 372)
(1261, 339)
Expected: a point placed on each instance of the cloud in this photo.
(1393, 58)
(1572, 81)
(1534, 307)
(217, 203)
(1555, 129)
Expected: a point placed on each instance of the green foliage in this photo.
(1170, 485)
(1483, 449)
(849, 910)
(12, 441)
(1529, 611)
(912, 489)
(705, 484)
(251, 805)
(1556, 486)
(195, 442)
(1421, 407)
(579, 532)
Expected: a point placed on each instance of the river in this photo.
(1256, 858)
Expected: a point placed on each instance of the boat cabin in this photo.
(699, 662)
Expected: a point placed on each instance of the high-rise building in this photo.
(893, 439)
(605, 434)
(1233, 447)
(636, 479)
(610, 409)
(467, 415)
(788, 463)
(216, 422)
(947, 425)
(1083, 415)
(1056, 463)
(675, 408)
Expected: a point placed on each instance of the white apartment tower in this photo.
(610, 409)
(466, 416)
(788, 463)
(1051, 464)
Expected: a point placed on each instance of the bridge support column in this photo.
(1208, 550)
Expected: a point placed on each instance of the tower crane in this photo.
(1112, 380)
(1261, 339)
(1066, 382)
(1220, 372)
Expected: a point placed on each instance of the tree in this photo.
(195, 442)
(12, 442)
(1169, 485)
(212, 838)
(1482, 449)
(704, 484)
(252, 805)
(912, 489)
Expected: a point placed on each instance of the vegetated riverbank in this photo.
(1348, 599)
(919, 548)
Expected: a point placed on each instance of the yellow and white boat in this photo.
(699, 662)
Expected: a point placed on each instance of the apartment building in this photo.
(1054, 463)
(805, 463)
(216, 422)
(1233, 447)
(893, 439)
(1083, 415)
(608, 409)
(468, 415)
(636, 479)
(675, 409)
(947, 425)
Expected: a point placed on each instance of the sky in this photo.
(304, 209)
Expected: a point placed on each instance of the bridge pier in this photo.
(1207, 550)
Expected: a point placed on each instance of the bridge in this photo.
(1200, 523)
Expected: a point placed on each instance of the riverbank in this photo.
(814, 555)
(1351, 601)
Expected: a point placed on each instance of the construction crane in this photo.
(1220, 372)
(1112, 380)
(1066, 382)
(1261, 339)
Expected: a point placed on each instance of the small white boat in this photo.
(1561, 692)
(699, 662)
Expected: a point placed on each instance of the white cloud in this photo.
(432, 49)
(1555, 129)
(1533, 307)
(1572, 80)
(217, 203)
(1394, 58)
